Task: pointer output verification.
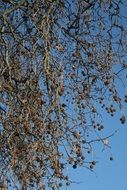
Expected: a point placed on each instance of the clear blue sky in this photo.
(108, 174)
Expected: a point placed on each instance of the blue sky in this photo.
(107, 174)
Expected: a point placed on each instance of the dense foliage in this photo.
(61, 64)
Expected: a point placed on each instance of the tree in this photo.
(60, 64)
